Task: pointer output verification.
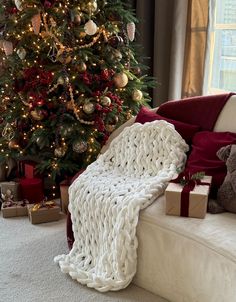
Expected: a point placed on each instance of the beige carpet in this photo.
(28, 273)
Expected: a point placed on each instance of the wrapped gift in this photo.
(64, 186)
(10, 188)
(32, 189)
(188, 199)
(14, 209)
(45, 211)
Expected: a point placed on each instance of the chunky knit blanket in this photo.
(106, 199)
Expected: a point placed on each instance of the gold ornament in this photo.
(8, 132)
(82, 34)
(37, 115)
(13, 144)
(120, 80)
(105, 101)
(81, 66)
(137, 95)
(90, 28)
(110, 128)
(60, 81)
(79, 146)
(60, 151)
(36, 23)
(89, 6)
(89, 108)
(63, 56)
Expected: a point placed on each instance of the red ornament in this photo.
(13, 10)
(105, 74)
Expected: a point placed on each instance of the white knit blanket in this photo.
(106, 199)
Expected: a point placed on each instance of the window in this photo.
(222, 52)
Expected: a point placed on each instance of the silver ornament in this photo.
(90, 28)
(79, 146)
(19, 4)
(89, 108)
(8, 47)
(21, 52)
(105, 101)
(131, 31)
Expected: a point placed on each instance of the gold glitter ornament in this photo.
(89, 6)
(120, 80)
(37, 115)
(63, 56)
(137, 95)
(8, 132)
(60, 151)
(110, 128)
(81, 66)
(79, 146)
(105, 101)
(89, 108)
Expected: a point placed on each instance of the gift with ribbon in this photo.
(10, 188)
(44, 211)
(12, 208)
(187, 195)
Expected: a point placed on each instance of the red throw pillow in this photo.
(187, 131)
(203, 156)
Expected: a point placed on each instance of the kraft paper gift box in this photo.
(43, 214)
(194, 204)
(64, 187)
(13, 210)
(13, 187)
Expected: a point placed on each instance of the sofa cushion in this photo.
(186, 259)
(203, 156)
(187, 131)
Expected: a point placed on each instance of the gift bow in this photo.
(43, 204)
(11, 203)
(188, 181)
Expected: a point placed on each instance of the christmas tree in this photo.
(69, 77)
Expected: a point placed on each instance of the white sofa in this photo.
(188, 259)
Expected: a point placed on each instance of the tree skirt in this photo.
(106, 199)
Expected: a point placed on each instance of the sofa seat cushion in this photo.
(197, 256)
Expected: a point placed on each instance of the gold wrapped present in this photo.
(43, 212)
(188, 200)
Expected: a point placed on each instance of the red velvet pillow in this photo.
(203, 156)
(187, 131)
